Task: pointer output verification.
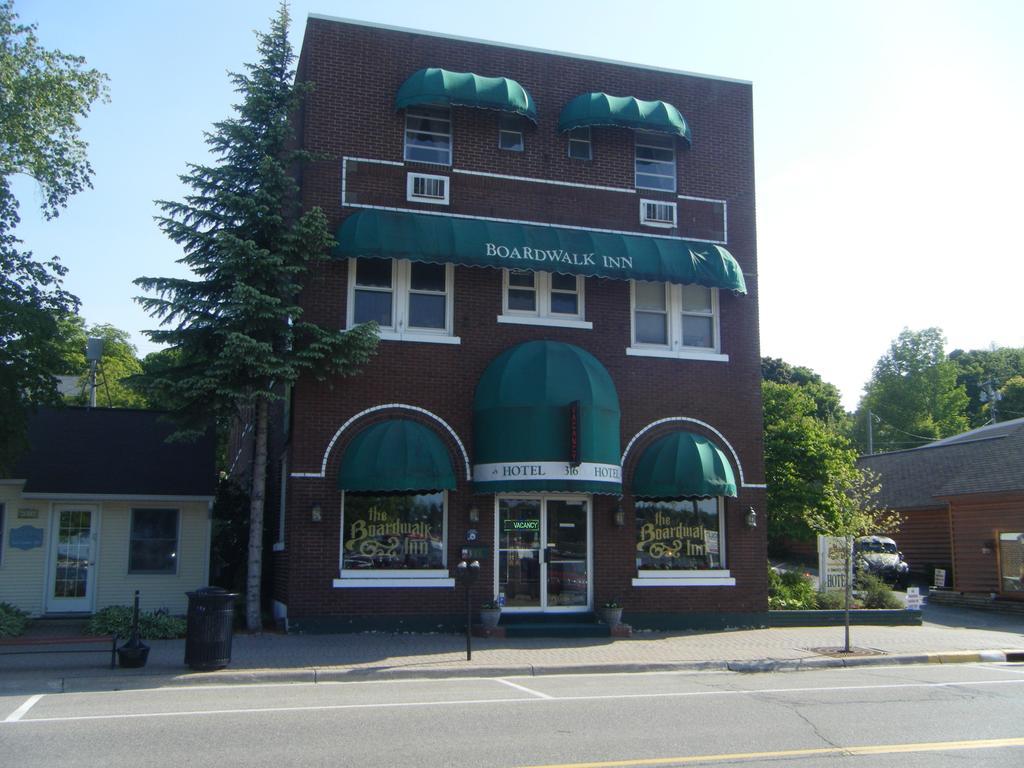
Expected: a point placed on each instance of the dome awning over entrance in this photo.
(682, 465)
(396, 455)
(440, 239)
(546, 418)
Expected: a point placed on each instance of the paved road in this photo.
(931, 716)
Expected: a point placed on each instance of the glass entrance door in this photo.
(544, 553)
(73, 560)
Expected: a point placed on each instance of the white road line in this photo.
(524, 689)
(19, 713)
(466, 702)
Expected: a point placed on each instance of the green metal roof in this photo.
(589, 109)
(682, 465)
(396, 455)
(481, 243)
(521, 422)
(433, 86)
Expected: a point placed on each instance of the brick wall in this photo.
(357, 71)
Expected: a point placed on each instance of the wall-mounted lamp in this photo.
(750, 519)
(988, 547)
(316, 513)
(619, 516)
(474, 515)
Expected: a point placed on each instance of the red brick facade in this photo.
(356, 71)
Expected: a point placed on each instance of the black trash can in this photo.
(211, 617)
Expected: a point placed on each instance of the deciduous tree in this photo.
(43, 95)
(237, 330)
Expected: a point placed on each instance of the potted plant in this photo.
(490, 614)
(611, 613)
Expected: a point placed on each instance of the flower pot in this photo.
(133, 655)
(611, 616)
(489, 617)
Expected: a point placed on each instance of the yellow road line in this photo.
(878, 749)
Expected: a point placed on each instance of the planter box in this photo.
(879, 617)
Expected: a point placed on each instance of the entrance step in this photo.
(553, 625)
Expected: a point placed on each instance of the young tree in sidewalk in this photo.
(43, 95)
(238, 332)
(854, 511)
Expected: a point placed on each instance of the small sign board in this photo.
(940, 578)
(522, 525)
(26, 537)
(914, 599)
(832, 570)
(475, 553)
(28, 514)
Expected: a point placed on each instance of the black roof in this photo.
(985, 460)
(114, 451)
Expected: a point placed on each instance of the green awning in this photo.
(396, 455)
(482, 243)
(682, 465)
(589, 109)
(531, 404)
(439, 87)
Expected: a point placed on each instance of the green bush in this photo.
(835, 601)
(153, 625)
(12, 620)
(875, 593)
(790, 591)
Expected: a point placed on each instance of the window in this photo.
(543, 298)
(579, 144)
(3, 522)
(424, 188)
(510, 133)
(409, 300)
(428, 135)
(154, 541)
(279, 544)
(655, 162)
(394, 540)
(675, 321)
(654, 213)
(1011, 562)
(681, 543)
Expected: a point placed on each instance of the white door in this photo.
(72, 559)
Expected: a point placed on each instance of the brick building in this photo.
(567, 387)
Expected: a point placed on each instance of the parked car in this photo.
(880, 556)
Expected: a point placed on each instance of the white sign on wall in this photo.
(832, 570)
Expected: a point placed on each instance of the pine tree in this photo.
(237, 330)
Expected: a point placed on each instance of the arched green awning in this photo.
(682, 465)
(396, 455)
(590, 109)
(533, 404)
(439, 87)
(484, 243)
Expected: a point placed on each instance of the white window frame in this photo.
(639, 141)
(648, 222)
(403, 578)
(399, 330)
(542, 314)
(674, 348)
(430, 113)
(410, 188)
(512, 125)
(575, 137)
(279, 544)
(177, 541)
(686, 577)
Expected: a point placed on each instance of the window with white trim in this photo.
(425, 188)
(657, 213)
(681, 542)
(394, 540)
(428, 135)
(153, 545)
(674, 318)
(542, 297)
(409, 300)
(655, 161)
(279, 544)
(579, 144)
(510, 133)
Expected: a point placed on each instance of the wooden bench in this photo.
(46, 645)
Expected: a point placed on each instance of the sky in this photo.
(886, 134)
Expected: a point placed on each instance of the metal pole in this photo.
(871, 437)
(469, 620)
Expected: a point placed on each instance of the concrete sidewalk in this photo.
(946, 635)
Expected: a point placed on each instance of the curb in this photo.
(314, 675)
